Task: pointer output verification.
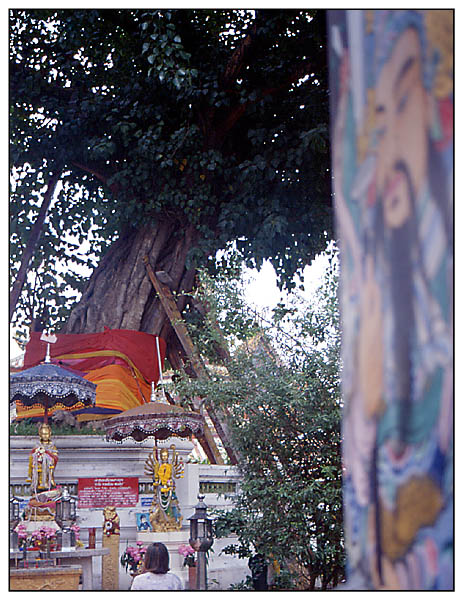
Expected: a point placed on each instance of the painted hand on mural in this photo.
(370, 348)
(349, 237)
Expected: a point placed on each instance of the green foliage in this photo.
(242, 586)
(217, 316)
(216, 118)
(285, 420)
(30, 427)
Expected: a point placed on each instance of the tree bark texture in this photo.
(119, 294)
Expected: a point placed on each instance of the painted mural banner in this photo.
(391, 89)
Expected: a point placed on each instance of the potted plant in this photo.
(46, 538)
(35, 540)
(132, 559)
(22, 538)
(76, 531)
(189, 560)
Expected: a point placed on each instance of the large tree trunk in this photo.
(119, 294)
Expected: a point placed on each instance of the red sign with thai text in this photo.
(98, 492)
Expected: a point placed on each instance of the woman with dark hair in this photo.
(155, 575)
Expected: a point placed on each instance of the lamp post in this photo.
(66, 515)
(14, 520)
(201, 540)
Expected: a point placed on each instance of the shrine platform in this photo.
(83, 457)
(82, 558)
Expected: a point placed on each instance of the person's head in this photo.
(157, 558)
(408, 77)
(44, 432)
(403, 119)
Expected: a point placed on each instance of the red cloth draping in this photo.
(137, 346)
(122, 363)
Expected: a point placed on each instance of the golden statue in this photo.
(164, 511)
(111, 525)
(42, 464)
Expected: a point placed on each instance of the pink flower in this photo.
(37, 535)
(22, 531)
(186, 550)
(76, 529)
(47, 532)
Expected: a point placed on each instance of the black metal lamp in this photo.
(14, 511)
(14, 520)
(201, 539)
(66, 506)
(66, 514)
(201, 527)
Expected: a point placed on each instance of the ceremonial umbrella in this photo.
(50, 386)
(154, 420)
(158, 420)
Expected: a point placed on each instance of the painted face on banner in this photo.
(402, 117)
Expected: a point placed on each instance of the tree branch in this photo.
(32, 243)
(91, 171)
(237, 59)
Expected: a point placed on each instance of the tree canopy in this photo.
(178, 130)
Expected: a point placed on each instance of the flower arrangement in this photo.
(34, 540)
(46, 533)
(22, 535)
(133, 558)
(76, 530)
(188, 553)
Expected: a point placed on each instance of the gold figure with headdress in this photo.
(164, 511)
(44, 491)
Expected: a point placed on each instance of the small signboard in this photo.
(98, 492)
(146, 501)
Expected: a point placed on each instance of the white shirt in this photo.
(157, 581)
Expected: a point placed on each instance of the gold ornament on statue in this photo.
(111, 525)
(44, 491)
(42, 462)
(164, 511)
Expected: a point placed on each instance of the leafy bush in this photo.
(283, 412)
(30, 427)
